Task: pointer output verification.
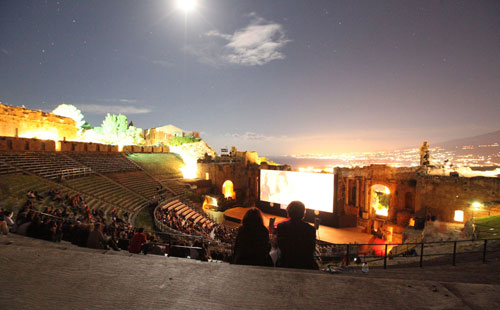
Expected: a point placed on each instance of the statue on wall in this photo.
(424, 154)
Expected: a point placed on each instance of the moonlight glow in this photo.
(187, 5)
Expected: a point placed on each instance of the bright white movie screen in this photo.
(315, 190)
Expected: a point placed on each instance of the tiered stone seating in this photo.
(45, 164)
(137, 181)
(176, 186)
(6, 168)
(18, 185)
(182, 209)
(159, 165)
(103, 189)
(104, 162)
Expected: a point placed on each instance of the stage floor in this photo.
(325, 233)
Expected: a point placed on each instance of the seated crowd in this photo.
(291, 244)
(72, 220)
(208, 230)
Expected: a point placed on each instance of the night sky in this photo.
(278, 77)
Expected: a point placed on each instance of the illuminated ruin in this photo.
(382, 196)
(26, 123)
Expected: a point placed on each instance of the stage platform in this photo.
(325, 233)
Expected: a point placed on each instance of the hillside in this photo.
(484, 139)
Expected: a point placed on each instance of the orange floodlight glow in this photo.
(190, 170)
(209, 203)
(41, 134)
(227, 189)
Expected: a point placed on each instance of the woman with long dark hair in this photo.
(252, 242)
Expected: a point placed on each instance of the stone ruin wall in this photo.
(442, 195)
(153, 136)
(16, 122)
(35, 145)
(400, 181)
(431, 195)
(244, 178)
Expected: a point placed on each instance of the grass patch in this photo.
(145, 219)
(488, 227)
(165, 164)
(176, 141)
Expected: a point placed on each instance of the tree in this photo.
(115, 129)
(69, 110)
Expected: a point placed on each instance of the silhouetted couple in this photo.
(296, 240)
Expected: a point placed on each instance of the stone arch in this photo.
(380, 199)
(228, 190)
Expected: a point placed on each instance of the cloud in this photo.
(252, 136)
(3, 50)
(127, 100)
(162, 63)
(256, 44)
(119, 100)
(102, 109)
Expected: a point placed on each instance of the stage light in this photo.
(190, 170)
(476, 205)
(187, 5)
(459, 216)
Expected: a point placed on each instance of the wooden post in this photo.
(454, 252)
(385, 257)
(422, 255)
(484, 250)
(347, 256)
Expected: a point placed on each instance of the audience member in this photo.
(96, 238)
(252, 242)
(4, 228)
(296, 239)
(138, 240)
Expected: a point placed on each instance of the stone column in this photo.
(358, 192)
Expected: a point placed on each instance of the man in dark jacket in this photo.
(296, 239)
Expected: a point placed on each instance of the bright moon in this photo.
(187, 5)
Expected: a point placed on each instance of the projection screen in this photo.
(315, 190)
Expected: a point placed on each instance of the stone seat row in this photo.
(139, 182)
(187, 212)
(48, 165)
(176, 186)
(104, 163)
(108, 191)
